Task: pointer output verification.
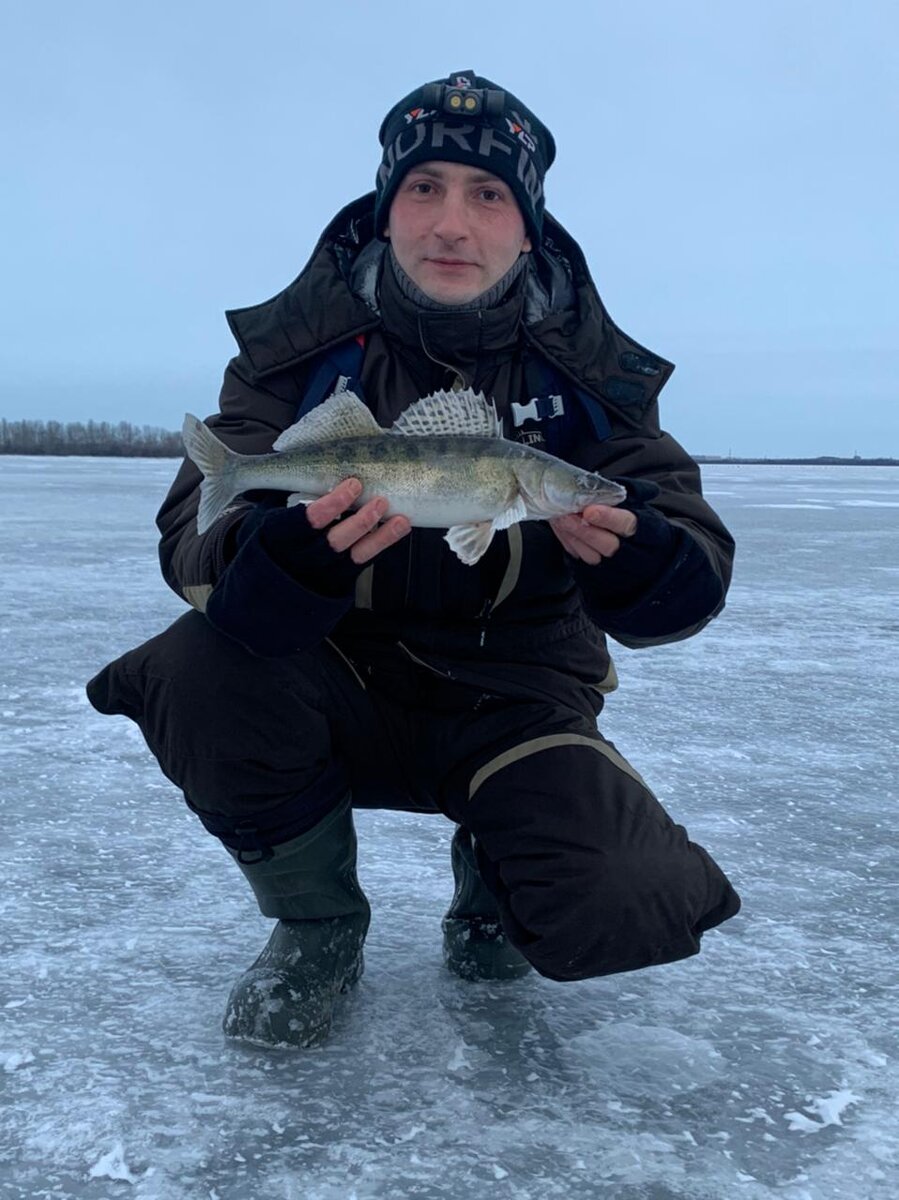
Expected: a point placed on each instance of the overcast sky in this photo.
(730, 170)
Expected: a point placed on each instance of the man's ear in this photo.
(526, 246)
(386, 233)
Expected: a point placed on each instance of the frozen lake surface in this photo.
(765, 1067)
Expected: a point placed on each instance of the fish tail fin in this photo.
(219, 466)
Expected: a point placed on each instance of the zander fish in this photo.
(444, 464)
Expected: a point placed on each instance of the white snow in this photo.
(828, 1109)
(11, 1060)
(112, 1166)
(124, 924)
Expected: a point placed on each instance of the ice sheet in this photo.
(766, 1067)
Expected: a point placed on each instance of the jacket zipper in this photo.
(484, 618)
(347, 661)
(421, 662)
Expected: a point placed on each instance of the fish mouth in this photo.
(603, 495)
(564, 500)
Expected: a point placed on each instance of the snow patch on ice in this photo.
(829, 1109)
(458, 1062)
(869, 503)
(113, 1166)
(11, 1060)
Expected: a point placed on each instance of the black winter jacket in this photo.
(527, 603)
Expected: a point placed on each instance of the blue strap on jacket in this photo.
(340, 362)
(566, 413)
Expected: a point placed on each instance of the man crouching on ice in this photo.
(336, 660)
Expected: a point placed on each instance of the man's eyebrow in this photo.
(486, 177)
(476, 177)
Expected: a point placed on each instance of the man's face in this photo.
(455, 230)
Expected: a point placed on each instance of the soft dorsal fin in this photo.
(340, 416)
(463, 414)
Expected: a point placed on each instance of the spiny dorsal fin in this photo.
(463, 414)
(340, 416)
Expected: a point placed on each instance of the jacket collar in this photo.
(465, 341)
(564, 317)
(317, 310)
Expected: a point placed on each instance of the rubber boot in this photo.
(475, 945)
(286, 998)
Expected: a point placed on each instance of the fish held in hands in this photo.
(444, 464)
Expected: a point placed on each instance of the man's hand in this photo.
(595, 533)
(359, 533)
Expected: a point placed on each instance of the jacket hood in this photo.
(333, 300)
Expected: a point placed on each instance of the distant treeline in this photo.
(122, 440)
(823, 460)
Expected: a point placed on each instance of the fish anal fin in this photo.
(340, 416)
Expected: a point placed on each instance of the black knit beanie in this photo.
(467, 119)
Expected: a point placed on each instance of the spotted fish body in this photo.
(445, 464)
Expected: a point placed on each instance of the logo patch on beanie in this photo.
(419, 114)
(519, 130)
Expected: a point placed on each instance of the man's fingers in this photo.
(595, 533)
(360, 533)
(385, 535)
(347, 532)
(598, 541)
(620, 521)
(585, 552)
(328, 508)
(575, 547)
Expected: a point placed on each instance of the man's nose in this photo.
(451, 223)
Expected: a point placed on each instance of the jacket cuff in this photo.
(302, 552)
(639, 563)
(263, 605)
(683, 594)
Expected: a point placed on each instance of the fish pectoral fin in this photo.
(517, 511)
(300, 498)
(448, 414)
(342, 415)
(470, 542)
